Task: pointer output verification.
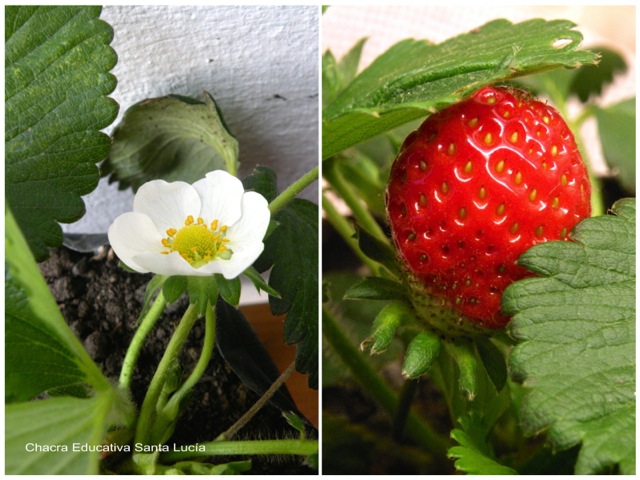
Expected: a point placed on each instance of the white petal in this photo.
(171, 264)
(167, 204)
(133, 233)
(221, 194)
(240, 260)
(251, 228)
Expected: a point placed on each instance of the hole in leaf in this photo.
(561, 43)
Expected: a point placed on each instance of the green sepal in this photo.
(174, 287)
(229, 289)
(202, 290)
(421, 353)
(463, 353)
(126, 268)
(385, 325)
(296, 422)
(252, 274)
(493, 361)
(154, 285)
(376, 288)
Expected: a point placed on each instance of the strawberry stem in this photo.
(347, 232)
(331, 173)
(294, 189)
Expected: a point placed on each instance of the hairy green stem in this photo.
(294, 189)
(347, 232)
(365, 374)
(203, 361)
(148, 409)
(147, 324)
(246, 447)
(360, 212)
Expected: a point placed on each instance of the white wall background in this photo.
(259, 62)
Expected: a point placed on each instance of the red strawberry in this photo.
(474, 187)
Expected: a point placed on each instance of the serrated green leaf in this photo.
(591, 80)
(617, 127)
(57, 60)
(414, 78)
(584, 83)
(292, 249)
(173, 138)
(472, 459)
(41, 351)
(62, 421)
(575, 327)
(337, 75)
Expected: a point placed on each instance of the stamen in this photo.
(198, 242)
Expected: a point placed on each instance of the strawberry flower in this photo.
(212, 226)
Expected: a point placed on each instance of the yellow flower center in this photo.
(198, 242)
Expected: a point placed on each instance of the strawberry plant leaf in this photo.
(617, 126)
(63, 422)
(474, 453)
(41, 351)
(414, 78)
(583, 83)
(472, 458)
(337, 75)
(172, 138)
(590, 80)
(57, 63)
(262, 180)
(575, 327)
(292, 250)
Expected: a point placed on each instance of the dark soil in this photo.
(101, 302)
